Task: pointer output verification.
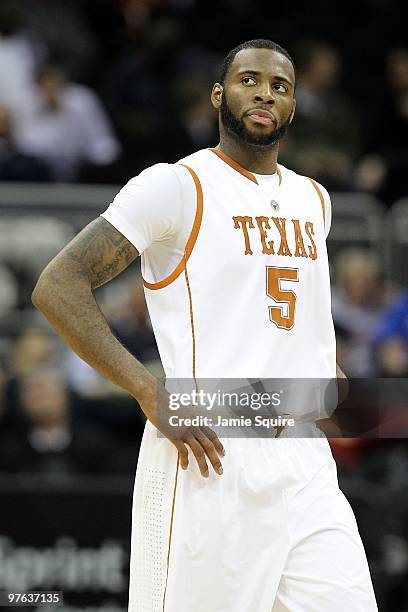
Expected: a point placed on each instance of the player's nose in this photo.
(265, 94)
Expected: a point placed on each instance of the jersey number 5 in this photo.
(283, 314)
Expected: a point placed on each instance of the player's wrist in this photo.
(147, 390)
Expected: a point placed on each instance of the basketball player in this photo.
(237, 284)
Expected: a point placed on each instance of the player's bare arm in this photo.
(339, 372)
(330, 426)
(64, 294)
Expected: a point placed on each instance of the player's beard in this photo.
(237, 128)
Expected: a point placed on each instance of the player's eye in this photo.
(280, 88)
(248, 80)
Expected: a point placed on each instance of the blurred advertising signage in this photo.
(72, 541)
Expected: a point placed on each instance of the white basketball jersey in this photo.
(250, 296)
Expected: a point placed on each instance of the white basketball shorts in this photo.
(274, 533)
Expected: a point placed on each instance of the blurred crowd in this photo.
(93, 92)
(58, 417)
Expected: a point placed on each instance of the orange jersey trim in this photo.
(319, 193)
(190, 299)
(178, 458)
(191, 239)
(228, 160)
(236, 166)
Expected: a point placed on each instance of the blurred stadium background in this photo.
(92, 92)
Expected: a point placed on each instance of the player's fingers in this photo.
(183, 453)
(199, 454)
(210, 451)
(211, 435)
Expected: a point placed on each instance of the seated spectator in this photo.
(20, 54)
(49, 440)
(383, 169)
(34, 348)
(324, 137)
(66, 126)
(114, 415)
(392, 356)
(14, 164)
(391, 339)
(358, 301)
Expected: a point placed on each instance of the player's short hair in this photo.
(257, 43)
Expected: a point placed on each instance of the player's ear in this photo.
(292, 114)
(216, 95)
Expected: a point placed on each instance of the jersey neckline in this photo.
(236, 166)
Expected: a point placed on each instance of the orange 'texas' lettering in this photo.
(243, 223)
(280, 223)
(263, 224)
(309, 229)
(301, 250)
(300, 245)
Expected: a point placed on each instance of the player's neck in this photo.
(253, 159)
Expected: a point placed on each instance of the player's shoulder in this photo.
(158, 175)
(170, 172)
(169, 182)
(196, 159)
(156, 182)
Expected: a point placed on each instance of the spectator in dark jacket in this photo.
(15, 165)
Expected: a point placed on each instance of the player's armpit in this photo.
(101, 252)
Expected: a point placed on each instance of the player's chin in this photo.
(261, 136)
(259, 129)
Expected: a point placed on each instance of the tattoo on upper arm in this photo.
(102, 252)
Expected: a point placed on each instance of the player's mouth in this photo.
(261, 116)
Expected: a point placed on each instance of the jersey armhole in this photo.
(326, 212)
(190, 241)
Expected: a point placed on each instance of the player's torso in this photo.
(255, 294)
